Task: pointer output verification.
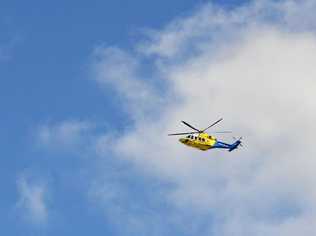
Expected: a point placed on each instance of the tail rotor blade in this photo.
(236, 138)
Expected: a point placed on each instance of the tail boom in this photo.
(230, 147)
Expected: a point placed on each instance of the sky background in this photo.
(89, 91)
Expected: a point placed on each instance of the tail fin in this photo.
(234, 145)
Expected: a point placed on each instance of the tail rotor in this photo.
(237, 142)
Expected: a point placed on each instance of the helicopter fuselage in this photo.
(202, 141)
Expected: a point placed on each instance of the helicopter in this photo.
(203, 141)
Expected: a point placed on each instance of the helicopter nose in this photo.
(183, 140)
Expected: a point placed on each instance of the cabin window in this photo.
(203, 139)
(195, 138)
(200, 139)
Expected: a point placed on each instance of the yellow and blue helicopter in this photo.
(204, 141)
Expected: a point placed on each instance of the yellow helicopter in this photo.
(204, 141)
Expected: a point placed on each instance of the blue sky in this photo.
(51, 46)
(76, 86)
(47, 48)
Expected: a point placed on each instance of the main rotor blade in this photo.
(190, 126)
(184, 133)
(212, 124)
(223, 132)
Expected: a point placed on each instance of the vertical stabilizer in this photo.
(234, 145)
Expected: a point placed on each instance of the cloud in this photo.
(253, 65)
(32, 203)
(207, 26)
(67, 134)
(120, 70)
(117, 193)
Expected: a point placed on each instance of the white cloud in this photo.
(120, 70)
(64, 135)
(32, 203)
(255, 66)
